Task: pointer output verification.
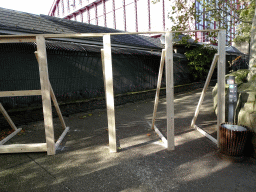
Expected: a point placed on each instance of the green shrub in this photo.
(199, 61)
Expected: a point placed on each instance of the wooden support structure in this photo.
(57, 144)
(20, 93)
(158, 132)
(10, 136)
(215, 59)
(48, 94)
(23, 148)
(109, 92)
(205, 134)
(159, 81)
(193, 125)
(7, 117)
(221, 80)
(55, 102)
(221, 58)
(169, 90)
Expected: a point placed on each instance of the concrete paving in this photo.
(83, 161)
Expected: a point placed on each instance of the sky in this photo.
(29, 6)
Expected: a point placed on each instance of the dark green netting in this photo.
(77, 78)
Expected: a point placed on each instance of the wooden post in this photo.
(169, 90)
(159, 81)
(46, 97)
(55, 102)
(103, 69)
(109, 91)
(221, 80)
(214, 61)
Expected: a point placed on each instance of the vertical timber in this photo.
(221, 80)
(109, 93)
(169, 90)
(46, 97)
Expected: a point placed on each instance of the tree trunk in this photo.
(252, 62)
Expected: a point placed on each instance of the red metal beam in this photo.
(96, 14)
(163, 16)
(82, 17)
(74, 4)
(53, 8)
(63, 7)
(149, 20)
(114, 13)
(124, 12)
(136, 15)
(68, 6)
(104, 13)
(88, 15)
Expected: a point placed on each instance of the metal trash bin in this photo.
(232, 139)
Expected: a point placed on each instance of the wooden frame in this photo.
(193, 125)
(169, 142)
(221, 58)
(47, 92)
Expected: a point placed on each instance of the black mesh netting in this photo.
(76, 77)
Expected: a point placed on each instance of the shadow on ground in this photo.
(83, 161)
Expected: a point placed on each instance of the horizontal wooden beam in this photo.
(23, 148)
(57, 144)
(10, 136)
(16, 38)
(20, 93)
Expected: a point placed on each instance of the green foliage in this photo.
(199, 61)
(220, 13)
(244, 28)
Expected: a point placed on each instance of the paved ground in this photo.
(83, 162)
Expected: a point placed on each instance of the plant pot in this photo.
(232, 139)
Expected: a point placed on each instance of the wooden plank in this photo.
(57, 144)
(56, 105)
(159, 81)
(10, 136)
(55, 102)
(7, 117)
(158, 132)
(109, 93)
(20, 93)
(81, 35)
(214, 61)
(221, 79)
(169, 90)
(23, 148)
(205, 134)
(103, 69)
(46, 96)
(17, 39)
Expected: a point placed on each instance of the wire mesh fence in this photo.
(77, 79)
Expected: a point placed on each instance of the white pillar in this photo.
(169, 90)
(221, 79)
(46, 97)
(109, 91)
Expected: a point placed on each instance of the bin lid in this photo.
(234, 127)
